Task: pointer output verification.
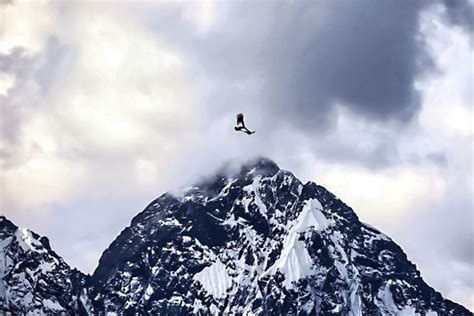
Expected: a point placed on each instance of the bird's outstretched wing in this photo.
(240, 120)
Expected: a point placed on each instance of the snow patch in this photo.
(170, 222)
(389, 305)
(214, 279)
(26, 241)
(149, 291)
(311, 215)
(197, 306)
(214, 310)
(295, 261)
(46, 267)
(52, 306)
(225, 189)
(177, 300)
(231, 221)
(356, 304)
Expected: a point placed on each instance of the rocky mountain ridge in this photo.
(248, 240)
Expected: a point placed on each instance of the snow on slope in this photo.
(295, 261)
(215, 279)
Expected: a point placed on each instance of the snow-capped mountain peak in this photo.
(251, 239)
(254, 239)
(35, 280)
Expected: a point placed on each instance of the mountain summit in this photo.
(256, 240)
(34, 279)
(253, 239)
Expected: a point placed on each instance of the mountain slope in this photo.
(34, 279)
(257, 240)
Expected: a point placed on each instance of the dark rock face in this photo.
(34, 279)
(249, 240)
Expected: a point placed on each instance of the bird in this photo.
(240, 127)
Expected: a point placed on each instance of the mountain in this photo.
(34, 279)
(251, 239)
(256, 240)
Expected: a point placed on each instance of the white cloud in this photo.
(127, 84)
(448, 95)
(202, 14)
(38, 183)
(25, 24)
(442, 235)
(383, 197)
(7, 81)
(122, 104)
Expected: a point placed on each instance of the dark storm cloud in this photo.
(379, 155)
(290, 65)
(439, 158)
(362, 55)
(302, 58)
(294, 61)
(460, 13)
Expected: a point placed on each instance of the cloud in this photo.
(439, 231)
(23, 98)
(460, 13)
(25, 24)
(404, 190)
(116, 101)
(306, 57)
(439, 236)
(6, 83)
(202, 14)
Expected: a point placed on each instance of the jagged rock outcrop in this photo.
(34, 279)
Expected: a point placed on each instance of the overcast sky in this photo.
(105, 107)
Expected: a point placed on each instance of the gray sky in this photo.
(104, 107)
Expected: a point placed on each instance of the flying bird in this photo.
(240, 127)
